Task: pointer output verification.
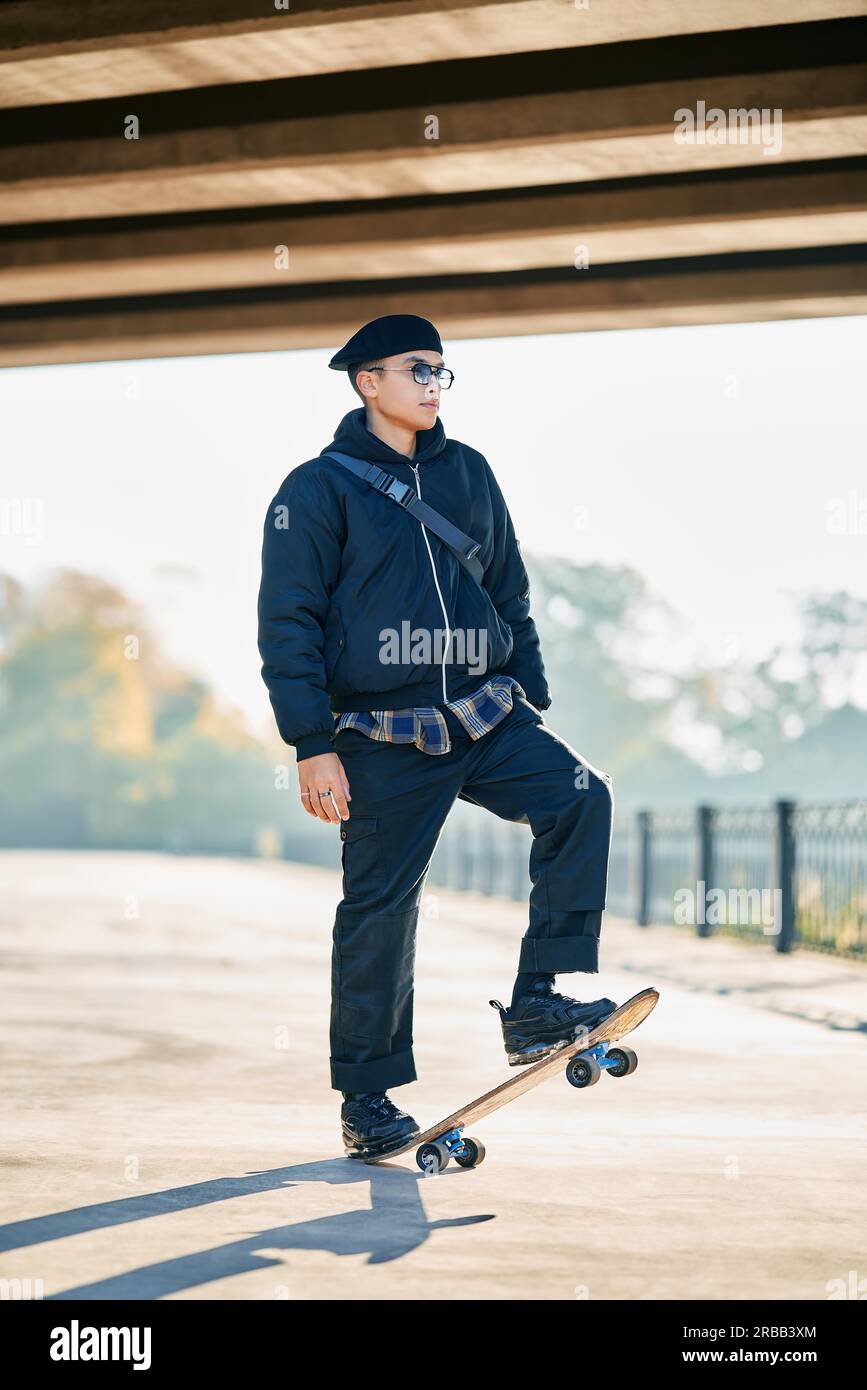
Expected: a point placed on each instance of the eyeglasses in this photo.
(422, 373)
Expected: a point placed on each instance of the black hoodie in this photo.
(341, 563)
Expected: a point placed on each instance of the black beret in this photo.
(384, 337)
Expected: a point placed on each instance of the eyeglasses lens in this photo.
(422, 373)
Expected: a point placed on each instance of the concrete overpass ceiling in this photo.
(195, 178)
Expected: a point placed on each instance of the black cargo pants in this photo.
(522, 771)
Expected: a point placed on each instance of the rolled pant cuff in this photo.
(378, 1075)
(562, 953)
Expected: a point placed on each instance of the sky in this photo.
(726, 464)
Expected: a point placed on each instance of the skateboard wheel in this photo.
(583, 1071)
(432, 1158)
(624, 1059)
(475, 1153)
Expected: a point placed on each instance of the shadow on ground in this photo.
(391, 1226)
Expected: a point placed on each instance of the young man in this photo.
(403, 684)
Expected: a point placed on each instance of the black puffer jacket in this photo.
(341, 562)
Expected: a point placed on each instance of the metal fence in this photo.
(785, 874)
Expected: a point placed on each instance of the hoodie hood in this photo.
(353, 437)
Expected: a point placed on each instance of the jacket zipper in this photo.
(439, 591)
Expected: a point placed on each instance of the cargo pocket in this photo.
(374, 995)
(363, 866)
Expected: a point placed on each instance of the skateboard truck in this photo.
(585, 1068)
(433, 1157)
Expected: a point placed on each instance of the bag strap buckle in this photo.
(392, 487)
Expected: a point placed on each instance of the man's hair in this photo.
(357, 367)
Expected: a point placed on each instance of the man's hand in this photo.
(319, 775)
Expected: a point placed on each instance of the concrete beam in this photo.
(755, 210)
(51, 51)
(253, 321)
(519, 141)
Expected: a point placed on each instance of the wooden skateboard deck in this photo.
(583, 1058)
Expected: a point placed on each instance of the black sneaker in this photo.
(539, 1020)
(373, 1124)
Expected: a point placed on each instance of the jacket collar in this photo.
(353, 437)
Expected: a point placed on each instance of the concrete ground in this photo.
(169, 1129)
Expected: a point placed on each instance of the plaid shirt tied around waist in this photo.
(426, 727)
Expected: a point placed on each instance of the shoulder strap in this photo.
(464, 547)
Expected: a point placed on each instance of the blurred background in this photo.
(691, 506)
(658, 335)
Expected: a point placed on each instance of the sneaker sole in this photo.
(536, 1051)
(383, 1150)
(519, 1059)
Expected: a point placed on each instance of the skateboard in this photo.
(583, 1058)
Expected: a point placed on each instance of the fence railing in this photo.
(784, 873)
